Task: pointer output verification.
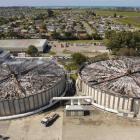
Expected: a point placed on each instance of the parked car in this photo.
(49, 119)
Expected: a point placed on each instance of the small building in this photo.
(77, 110)
(21, 45)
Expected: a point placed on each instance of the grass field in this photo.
(130, 20)
(121, 13)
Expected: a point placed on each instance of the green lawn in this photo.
(130, 20)
(74, 76)
(71, 66)
(111, 13)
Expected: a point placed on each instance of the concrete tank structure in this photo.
(27, 85)
(113, 84)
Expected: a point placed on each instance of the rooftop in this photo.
(21, 43)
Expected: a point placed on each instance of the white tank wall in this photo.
(33, 102)
(105, 100)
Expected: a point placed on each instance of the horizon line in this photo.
(72, 6)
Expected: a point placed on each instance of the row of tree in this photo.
(72, 36)
(123, 43)
(48, 14)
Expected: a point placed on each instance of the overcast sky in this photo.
(70, 3)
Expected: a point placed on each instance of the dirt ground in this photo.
(67, 51)
(98, 126)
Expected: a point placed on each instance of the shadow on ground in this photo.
(4, 138)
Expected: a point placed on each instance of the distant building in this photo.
(21, 45)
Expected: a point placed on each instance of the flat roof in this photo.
(78, 107)
(21, 43)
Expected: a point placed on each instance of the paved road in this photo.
(30, 128)
(98, 126)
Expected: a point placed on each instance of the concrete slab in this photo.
(30, 128)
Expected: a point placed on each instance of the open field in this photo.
(87, 49)
(131, 17)
(130, 20)
(121, 13)
(81, 41)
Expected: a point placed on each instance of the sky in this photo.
(70, 3)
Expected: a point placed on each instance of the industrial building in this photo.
(29, 84)
(113, 84)
(21, 45)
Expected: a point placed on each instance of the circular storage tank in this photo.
(113, 84)
(29, 84)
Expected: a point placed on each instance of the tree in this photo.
(115, 15)
(108, 34)
(91, 12)
(43, 26)
(96, 36)
(3, 21)
(32, 51)
(115, 41)
(69, 35)
(55, 35)
(127, 52)
(79, 58)
(50, 13)
(40, 16)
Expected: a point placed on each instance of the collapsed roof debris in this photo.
(24, 77)
(116, 76)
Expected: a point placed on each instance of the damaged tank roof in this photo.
(116, 76)
(24, 77)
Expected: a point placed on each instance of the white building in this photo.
(21, 45)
